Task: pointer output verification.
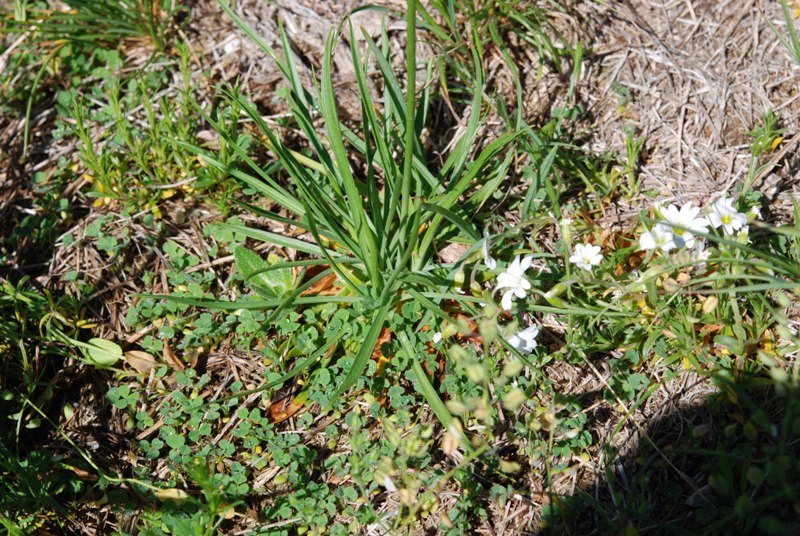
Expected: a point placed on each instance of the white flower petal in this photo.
(506, 280)
(682, 223)
(505, 303)
(647, 241)
(525, 340)
(586, 256)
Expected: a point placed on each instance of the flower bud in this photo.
(552, 295)
(459, 278)
(565, 226)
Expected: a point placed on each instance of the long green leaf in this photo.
(424, 385)
(251, 304)
(364, 229)
(454, 192)
(278, 240)
(454, 165)
(467, 228)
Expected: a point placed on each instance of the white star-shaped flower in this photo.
(514, 280)
(724, 214)
(659, 237)
(684, 223)
(586, 256)
(525, 340)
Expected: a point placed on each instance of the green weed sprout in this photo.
(792, 43)
(91, 24)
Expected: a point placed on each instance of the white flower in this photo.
(586, 256)
(487, 259)
(700, 254)
(525, 340)
(660, 237)
(684, 223)
(514, 280)
(566, 222)
(724, 214)
(756, 212)
(437, 337)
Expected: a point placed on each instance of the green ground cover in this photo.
(221, 320)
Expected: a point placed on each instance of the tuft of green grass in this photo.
(126, 132)
(55, 37)
(378, 229)
(792, 42)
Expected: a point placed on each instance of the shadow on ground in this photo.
(729, 465)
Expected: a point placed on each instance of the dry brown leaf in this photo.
(323, 287)
(171, 494)
(377, 353)
(171, 358)
(280, 411)
(82, 473)
(632, 263)
(193, 356)
(710, 304)
(140, 361)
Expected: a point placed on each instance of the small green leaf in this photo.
(175, 441)
(260, 276)
(101, 352)
(34, 423)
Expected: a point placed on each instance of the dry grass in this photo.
(701, 75)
